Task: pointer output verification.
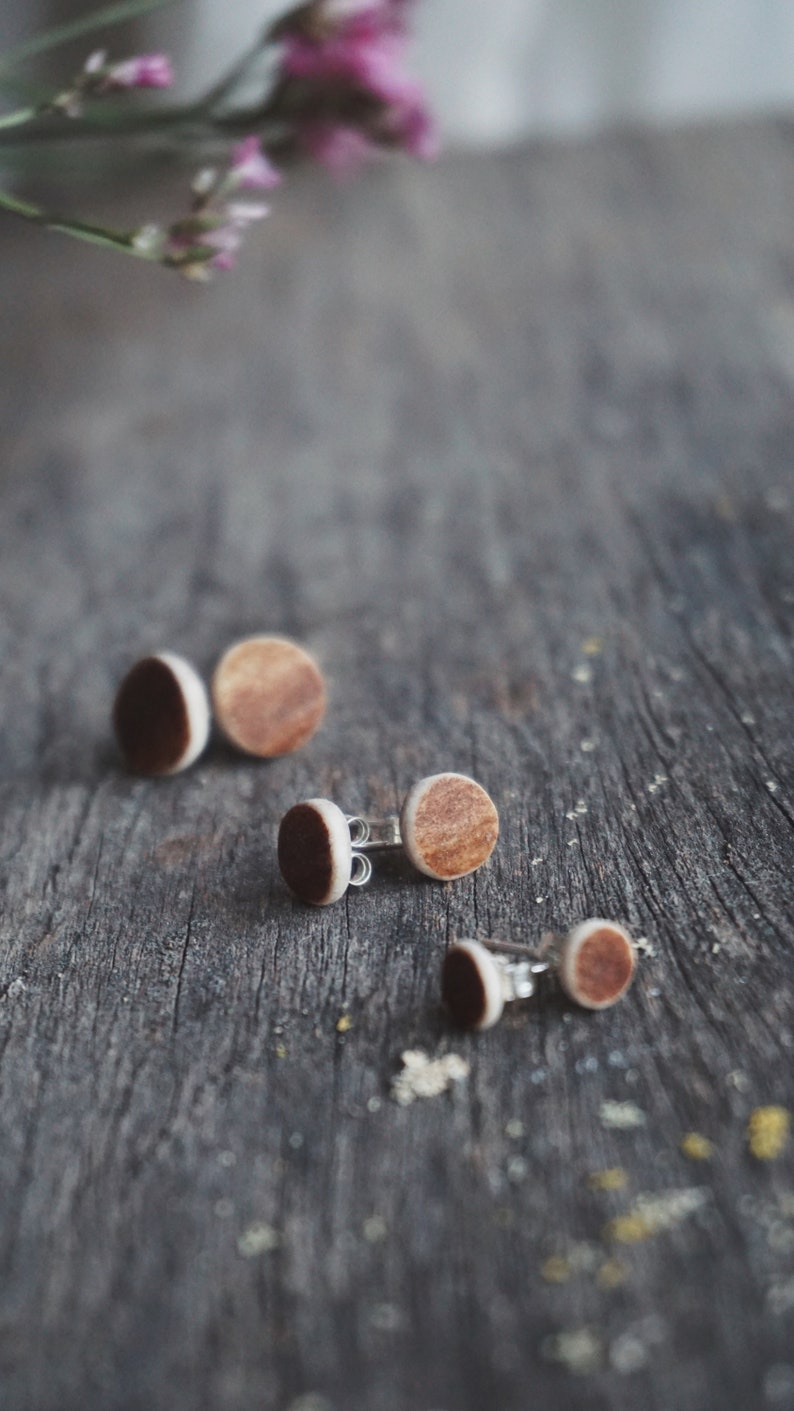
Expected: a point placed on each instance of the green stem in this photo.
(22, 115)
(190, 121)
(80, 230)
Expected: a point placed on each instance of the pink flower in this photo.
(342, 150)
(415, 127)
(250, 168)
(228, 237)
(227, 240)
(142, 71)
(211, 238)
(243, 213)
(363, 50)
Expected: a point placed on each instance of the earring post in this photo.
(537, 964)
(374, 834)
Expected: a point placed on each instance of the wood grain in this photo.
(507, 443)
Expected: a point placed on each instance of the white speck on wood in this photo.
(621, 1116)
(259, 1238)
(423, 1076)
(581, 1350)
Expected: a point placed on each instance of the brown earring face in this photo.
(449, 826)
(161, 715)
(471, 987)
(269, 695)
(314, 851)
(597, 963)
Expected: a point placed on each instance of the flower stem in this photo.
(80, 230)
(22, 115)
(188, 122)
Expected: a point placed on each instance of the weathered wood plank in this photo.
(452, 429)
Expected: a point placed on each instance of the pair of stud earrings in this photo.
(594, 963)
(447, 827)
(268, 697)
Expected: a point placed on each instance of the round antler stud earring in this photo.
(594, 962)
(269, 695)
(161, 715)
(448, 827)
(476, 984)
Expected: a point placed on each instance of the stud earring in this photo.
(448, 827)
(269, 695)
(594, 962)
(476, 984)
(161, 715)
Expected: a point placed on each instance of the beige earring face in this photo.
(449, 826)
(161, 715)
(269, 695)
(314, 851)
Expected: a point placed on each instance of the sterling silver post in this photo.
(538, 962)
(370, 835)
(517, 976)
(360, 870)
(374, 834)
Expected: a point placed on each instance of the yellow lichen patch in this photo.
(629, 1229)
(612, 1273)
(556, 1270)
(767, 1132)
(613, 1179)
(343, 1023)
(591, 646)
(696, 1147)
(280, 1051)
(654, 1213)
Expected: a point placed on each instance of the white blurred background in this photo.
(497, 70)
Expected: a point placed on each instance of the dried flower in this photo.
(345, 85)
(341, 150)
(142, 71)
(250, 169)
(98, 78)
(210, 237)
(338, 92)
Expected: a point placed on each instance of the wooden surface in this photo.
(444, 427)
